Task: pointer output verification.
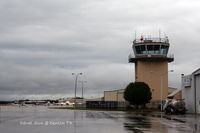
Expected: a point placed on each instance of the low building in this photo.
(115, 95)
(191, 91)
(118, 96)
(177, 94)
(171, 90)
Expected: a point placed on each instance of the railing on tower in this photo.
(133, 56)
(149, 39)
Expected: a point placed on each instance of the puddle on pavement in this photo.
(97, 121)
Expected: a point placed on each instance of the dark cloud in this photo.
(43, 42)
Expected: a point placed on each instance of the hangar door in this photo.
(198, 94)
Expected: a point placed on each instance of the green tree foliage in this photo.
(137, 93)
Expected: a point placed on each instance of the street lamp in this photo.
(161, 86)
(75, 86)
(82, 82)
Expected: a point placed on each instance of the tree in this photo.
(137, 93)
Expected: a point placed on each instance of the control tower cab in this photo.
(151, 64)
(151, 49)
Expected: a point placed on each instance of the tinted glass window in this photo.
(164, 49)
(150, 49)
(137, 48)
(156, 49)
(143, 49)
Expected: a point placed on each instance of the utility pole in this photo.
(82, 83)
(76, 78)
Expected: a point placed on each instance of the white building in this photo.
(191, 91)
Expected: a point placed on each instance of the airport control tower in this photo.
(151, 64)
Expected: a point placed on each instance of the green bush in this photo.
(137, 93)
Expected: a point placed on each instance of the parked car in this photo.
(174, 106)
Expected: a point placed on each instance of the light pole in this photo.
(161, 86)
(82, 83)
(76, 78)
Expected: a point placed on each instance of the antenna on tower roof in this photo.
(159, 34)
(135, 35)
(165, 34)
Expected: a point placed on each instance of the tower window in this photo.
(164, 49)
(138, 50)
(143, 49)
(156, 49)
(150, 49)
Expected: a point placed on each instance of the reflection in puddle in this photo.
(136, 123)
(96, 121)
(139, 123)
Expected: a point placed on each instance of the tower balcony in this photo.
(150, 57)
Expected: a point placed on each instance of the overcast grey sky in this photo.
(43, 41)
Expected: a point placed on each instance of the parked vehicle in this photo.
(174, 106)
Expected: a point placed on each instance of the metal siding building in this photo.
(191, 91)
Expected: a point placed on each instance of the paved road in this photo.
(44, 120)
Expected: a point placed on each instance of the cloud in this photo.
(53, 81)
